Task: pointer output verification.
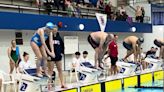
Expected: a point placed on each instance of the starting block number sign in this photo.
(111, 86)
(130, 81)
(91, 88)
(158, 75)
(23, 87)
(71, 90)
(146, 78)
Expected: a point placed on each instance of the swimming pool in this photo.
(157, 83)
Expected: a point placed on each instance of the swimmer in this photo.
(13, 54)
(99, 41)
(133, 45)
(40, 48)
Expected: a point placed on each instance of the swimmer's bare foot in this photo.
(101, 66)
(63, 86)
(39, 75)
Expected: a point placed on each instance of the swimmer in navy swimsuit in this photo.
(40, 48)
(132, 44)
(99, 41)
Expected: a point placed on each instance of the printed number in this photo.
(23, 87)
(122, 70)
(150, 65)
(36, 39)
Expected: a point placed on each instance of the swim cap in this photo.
(50, 25)
(141, 39)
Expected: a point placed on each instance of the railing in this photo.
(83, 14)
(86, 13)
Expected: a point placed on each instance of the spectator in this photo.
(108, 10)
(93, 2)
(62, 3)
(118, 16)
(155, 50)
(150, 52)
(122, 10)
(25, 63)
(84, 58)
(138, 14)
(48, 6)
(113, 54)
(124, 16)
(39, 3)
(14, 56)
(78, 1)
(70, 8)
(100, 4)
(56, 3)
(76, 60)
(143, 14)
(85, 61)
(78, 10)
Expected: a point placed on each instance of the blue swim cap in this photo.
(50, 25)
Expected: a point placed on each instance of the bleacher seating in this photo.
(27, 6)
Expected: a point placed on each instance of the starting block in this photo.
(127, 68)
(154, 64)
(88, 73)
(30, 83)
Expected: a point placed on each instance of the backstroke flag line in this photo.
(102, 20)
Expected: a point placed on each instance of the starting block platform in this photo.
(127, 68)
(154, 63)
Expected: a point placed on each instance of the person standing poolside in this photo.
(58, 47)
(113, 54)
(13, 54)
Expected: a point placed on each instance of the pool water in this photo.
(159, 83)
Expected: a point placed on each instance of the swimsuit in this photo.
(36, 38)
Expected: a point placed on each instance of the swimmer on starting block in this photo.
(133, 45)
(160, 43)
(99, 41)
(40, 48)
